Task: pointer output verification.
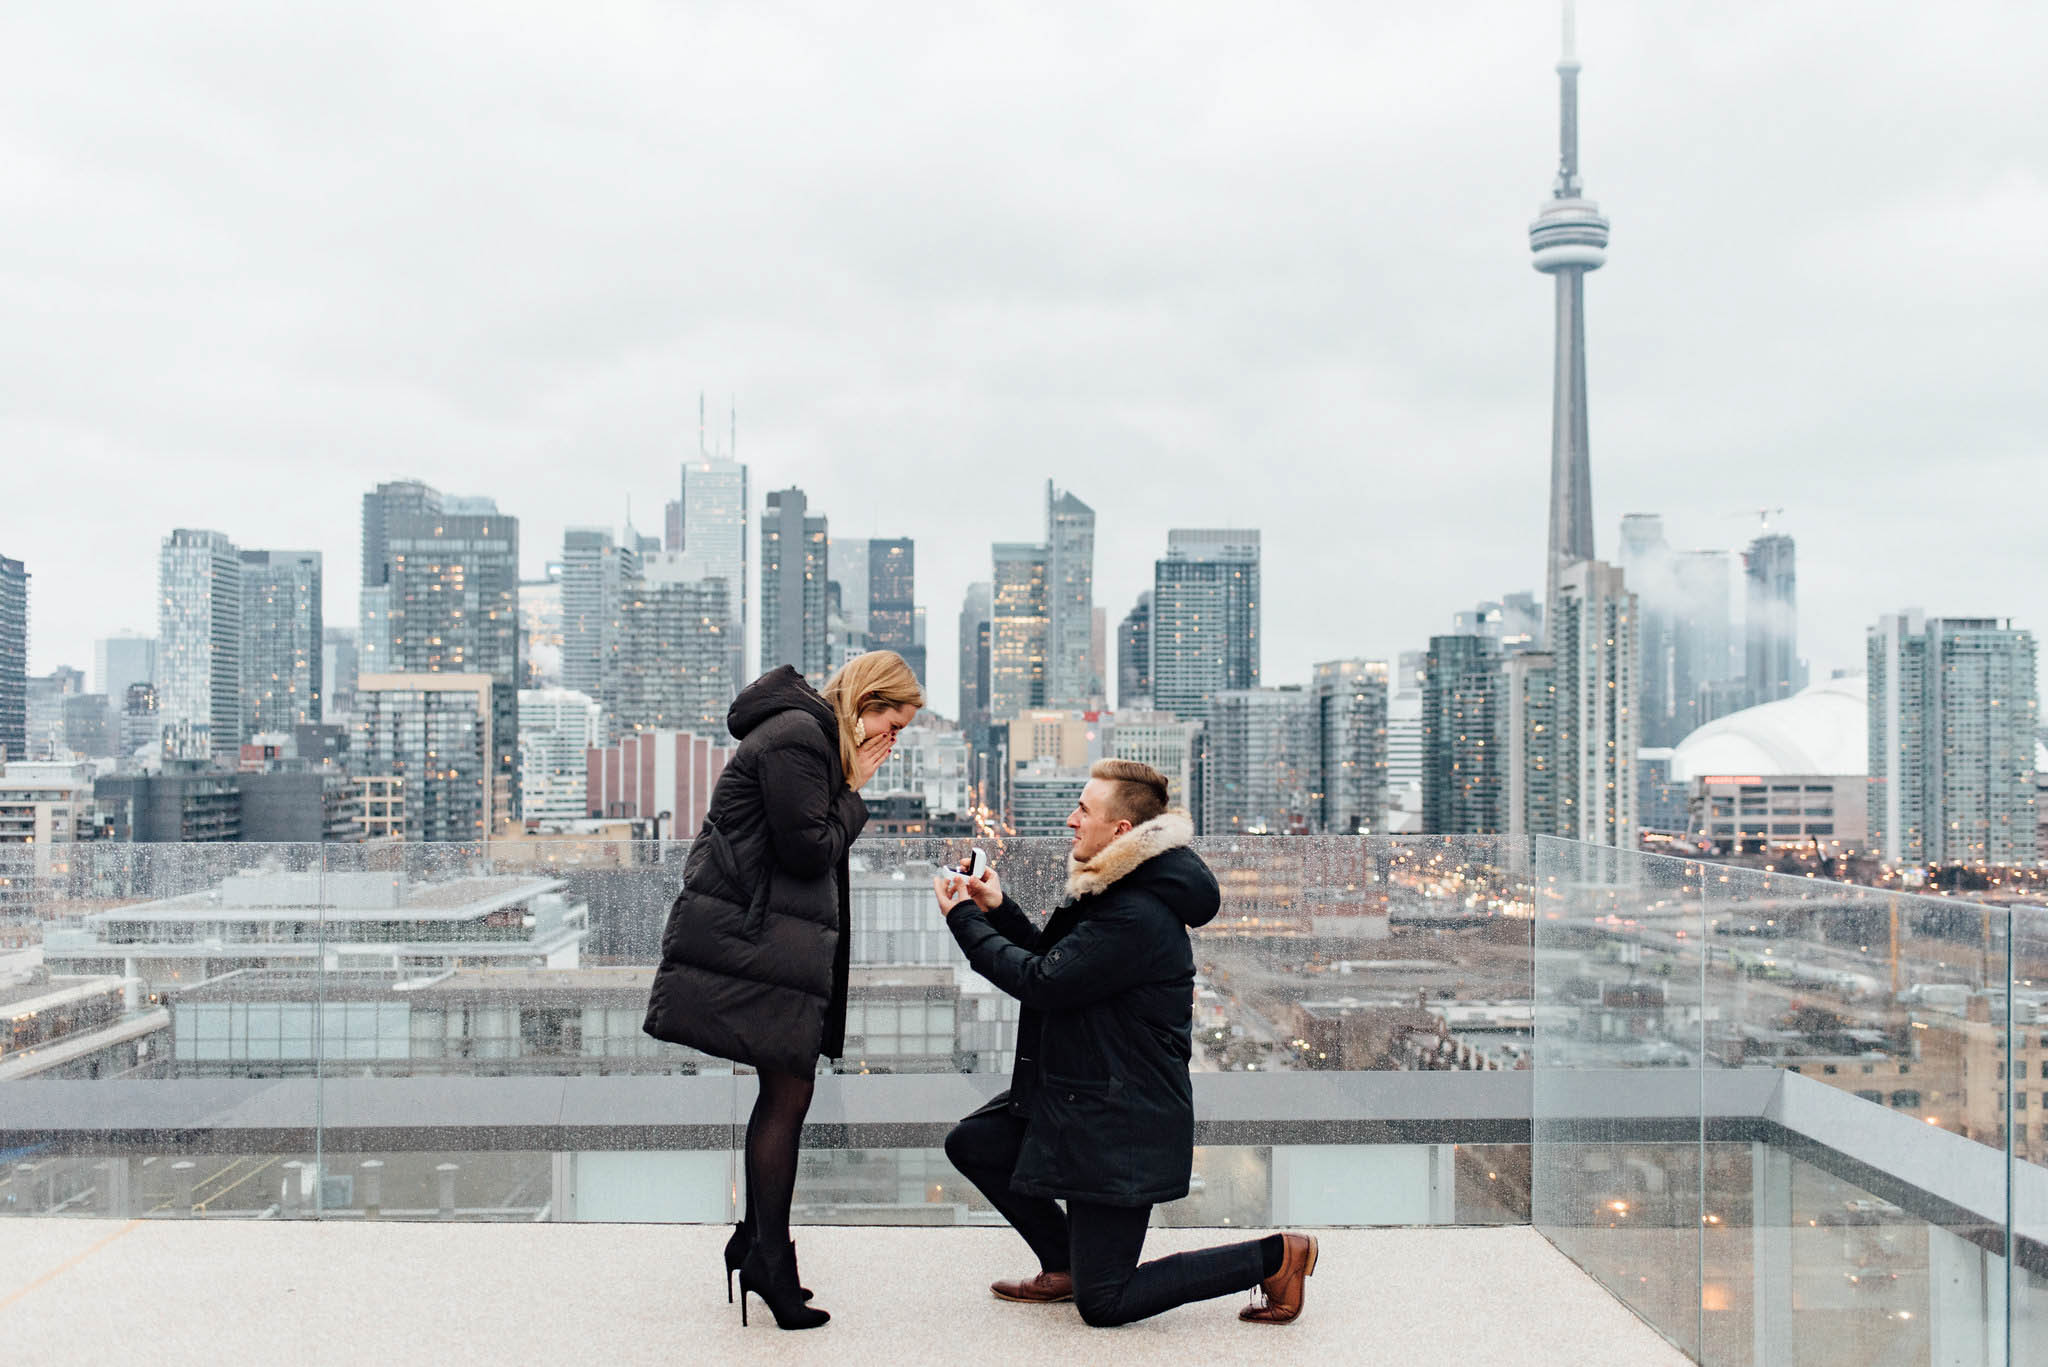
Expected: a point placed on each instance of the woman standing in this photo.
(753, 960)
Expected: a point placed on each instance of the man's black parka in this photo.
(754, 956)
(1103, 1041)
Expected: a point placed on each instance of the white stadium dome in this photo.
(1823, 729)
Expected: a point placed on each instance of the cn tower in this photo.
(1569, 238)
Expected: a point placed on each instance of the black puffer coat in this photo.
(753, 960)
(1103, 1041)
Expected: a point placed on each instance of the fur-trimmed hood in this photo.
(1187, 884)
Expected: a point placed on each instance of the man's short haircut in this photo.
(1137, 791)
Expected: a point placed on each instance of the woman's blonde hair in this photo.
(880, 679)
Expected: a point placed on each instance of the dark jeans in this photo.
(1099, 1244)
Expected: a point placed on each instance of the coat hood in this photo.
(1156, 856)
(778, 691)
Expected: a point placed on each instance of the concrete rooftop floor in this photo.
(187, 1291)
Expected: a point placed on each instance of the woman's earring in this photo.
(860, 730)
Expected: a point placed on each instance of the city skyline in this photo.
(1159, 410)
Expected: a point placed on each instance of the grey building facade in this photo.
(1261, 765)
(1019, 641)
(1071, 679)
(1134, 654)
(284, 640)
(450, 589)
(891, 584)
(794, 574)
(1205, 618)
(199, 657)
(976, 612)
(1954, 712)
(671, 661)
(14, 578)
(1350, 702)
(1460, 699)
(1771, 621)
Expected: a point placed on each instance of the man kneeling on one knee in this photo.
(1100, 1112)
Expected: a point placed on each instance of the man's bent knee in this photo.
(1100, 1309)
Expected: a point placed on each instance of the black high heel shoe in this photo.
(736, 1253)
(771, 1275)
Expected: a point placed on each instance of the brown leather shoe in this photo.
(1043, 1289)
(1284, 1288)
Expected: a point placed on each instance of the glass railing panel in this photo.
(1620, 1164)
(130, 1023)
(2027, 1169)
(1866, 1215)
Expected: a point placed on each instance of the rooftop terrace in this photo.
(172, 1292)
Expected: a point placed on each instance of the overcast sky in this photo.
(1202, 265)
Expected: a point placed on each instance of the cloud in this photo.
(1200, 270)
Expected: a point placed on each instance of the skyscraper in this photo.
(670, 667)
(891, 583)
(1702, 640)
(1018, 630)
(1134, 654)
(1646, 559)
(794, 554)
(1594, 642)
(430, 737)
(126, 658)
(597, 572)
(1205, 618)
(1462, 766)
(1350, 702)
(338, 666)
(199, 661)
(713, 527)
(557, 730)
(383, 506)
(1070, 677)
(1771, 619)
(1528, 743)
(449, 592)
(976, 610)
(1569, 238)
(13, 659)
(1953, 712)
(284, 638)
(1260, 774)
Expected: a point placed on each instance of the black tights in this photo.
(774, 1131)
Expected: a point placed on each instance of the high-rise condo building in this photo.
(1702, 637)
(597, 573)
(1169, 745)
(1953, 712)
(1070, 676)
(449, 590)
(1260, 771)
(1771, 622)
(121, 660)
(794, 573)
(1205, 618)
(891, 588)
(1350, 700)
(671, 664)
(1646, 558)
(384, 506)
(1134, 654)
(1528, 742)
(557, 730)
(426, 744)
(1460, 791)
(284, 640)
(1593, 639)
(338, 665)
(976, 614)
(713, 531)
(13, 659)
(1568, 238)
(199, 661)
(1018, 631)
